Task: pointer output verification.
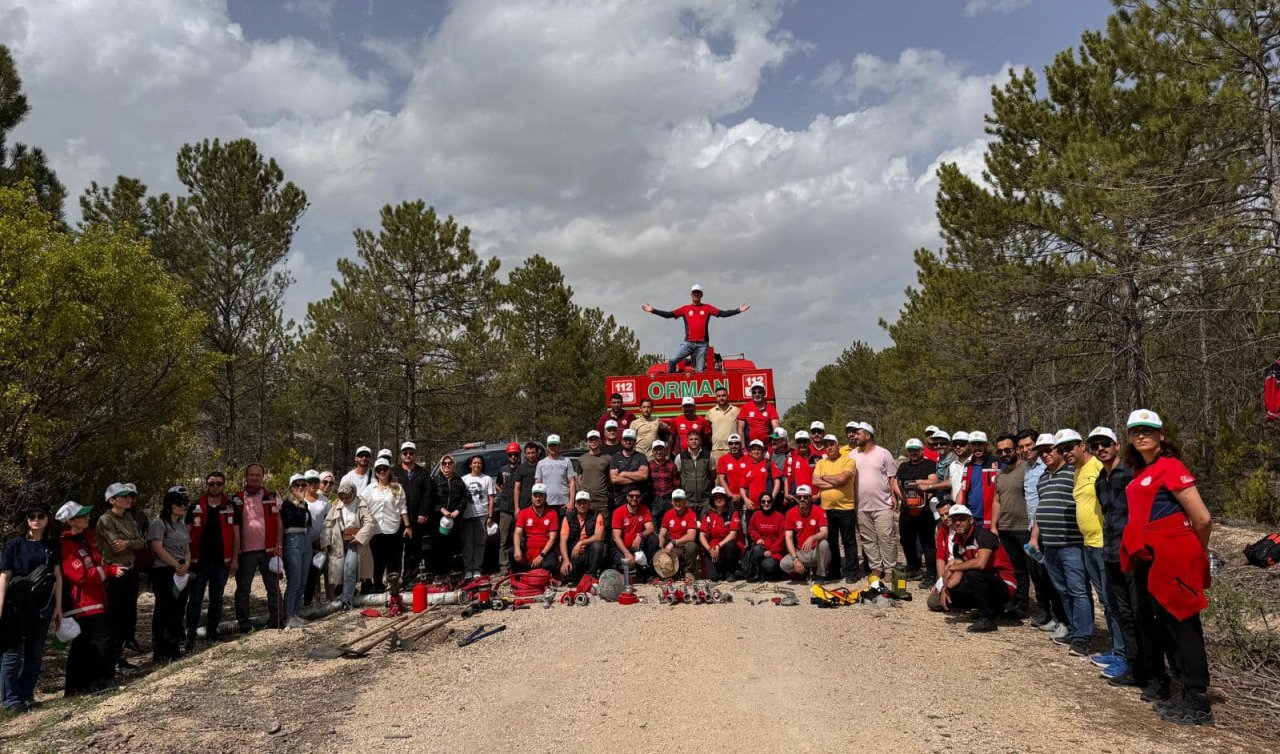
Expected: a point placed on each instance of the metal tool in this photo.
(479, 634)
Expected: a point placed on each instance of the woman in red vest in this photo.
(1165, 548)
(91, 661)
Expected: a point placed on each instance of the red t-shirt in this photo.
(733, 469)
(766, 528)
(798, 471)
(758, 422)
(931, 454)
(537, 529)
(1153, 488)
(756, 477)
(679, 524)
(631, 524)
(623, 421)
(682, 425)
(717, 528)
(805, 526)
(695, 320)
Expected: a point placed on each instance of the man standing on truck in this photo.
(696, 316)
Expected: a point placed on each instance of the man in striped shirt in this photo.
(1057, 534)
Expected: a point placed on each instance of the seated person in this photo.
(581, 540)
(537, 528)
(679, 532)
(719, 534)
(980, 575)
(769, 545)
(634, 541)
(805, 528)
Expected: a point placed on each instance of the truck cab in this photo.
(734, 372)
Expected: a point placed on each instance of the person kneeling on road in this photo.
(581, 540)
(806, 538)
(634, 541)
(679, 532)
(537, 528)
(718, 533)
(766, 530)
(980, 575)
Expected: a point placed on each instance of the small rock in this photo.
(273, 727)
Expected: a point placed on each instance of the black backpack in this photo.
(25, 602)
(1265, 552)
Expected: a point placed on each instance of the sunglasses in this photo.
(382, 470)
(960, 443)
(215, 484)
(408, 452)
(326, 481)
(634, 496)
(446, 463)
(364, 455)
(1006, 451)
(36, 516)
(1096, 444)
(298, 485)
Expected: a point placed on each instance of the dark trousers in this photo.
(648, 545)
(385, 549)
(1047, 598)
(91, 660)
(1159, 634)
(767, 568)
(658, 508)
(213, 576)
(917, 536)
(588, 562)
(250, 564)
(506, 538)
(414, 554)
(1120, 599)
(843, 540)
(1012, 542)
(167, 619)
(441, 549)
(724, 566)
(122, 609)
(982, 590)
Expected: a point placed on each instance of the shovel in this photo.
(360, 646)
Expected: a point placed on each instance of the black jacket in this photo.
(1115, 508)
(450, 494)
(418, 491)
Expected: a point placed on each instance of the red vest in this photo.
(83, 576)
(271, 515)
(199, 518)
(988, 491)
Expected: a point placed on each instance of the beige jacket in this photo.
(335, 549)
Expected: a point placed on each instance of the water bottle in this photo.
(1033, 552)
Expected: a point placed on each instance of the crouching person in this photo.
(719, 533)
(348, 529)
(980, 575)
(581, 540)
(679, 533)
(769, 544)
(537, 528)
(634, 540)
(805, 531)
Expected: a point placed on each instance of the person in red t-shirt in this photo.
(760, 478)
(633, 539)
(688, 421)
(679, 533)
(719, 533)
(769, 543)
(798, 470)
(805, 527)
(615, 413)
(696, 316)
(757, 419)
(929, 451)
(537, 528)
(980, 575)
(730, 469)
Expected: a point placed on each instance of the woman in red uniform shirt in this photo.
(769, 544)
(1165, 548)
(719, 532)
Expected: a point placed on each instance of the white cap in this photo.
(310, 474)
(735, 437)
(960, 510)
(801, 435)
(688, 401)
(940, 434)
(611, 424)
(364, 449)
(553, 439)
(656, 443)
(818, 425)
(382, 461)
(679, 494)
(70, 510)
(538, 489)
(960, 436)
(408, 445)
(804, 489)
(582, 495)
(117, 489)
(1103, 432)
(296, 478)
(851, 425)
(719, 491)
(778, 434)
(328, 474)
(1044, 440)
(593, 433)
(830, 438)
(914, 444)
(385, 453)
(756, 442)
(696, 287)
(977, 436)
(1144, 418)
(929, 430)
(628, 434)
(1066, 435)
(865, 427)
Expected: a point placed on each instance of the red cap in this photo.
(513, 447)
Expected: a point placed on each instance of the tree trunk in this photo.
(232, 447)
(1136, 373)
(1208, 428)
(411, 404)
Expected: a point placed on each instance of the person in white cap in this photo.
(929, 452)
(697, 316)
(118, 538)
(757, 418)
(318, 506)
(724, 422)
(581, 542)
(615, 413)
(940, 443)
(797, 470)
(678, 533)
(419, 491)
(664, 479)
(648, 427)
(878, 499)
(611, 439)
(1056, 533)
(1110, 488)
(851, 437)
(1089, 519)
(730, 469)
(594, 474)
(362, 474)
(557, 473)
(385, 501)
(760, 479)
(817, 430)
(628, 470)
(978, 483)
(688, 422)
(1053, 616)
(979, 576)
(915, 520)
(805, 535)
(537, 529)
(91, 662)
(835, 476)
(958, 466)
(296, 519)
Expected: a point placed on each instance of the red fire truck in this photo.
(734, 372)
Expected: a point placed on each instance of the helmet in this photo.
(513, 447)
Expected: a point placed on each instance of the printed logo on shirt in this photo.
(546, 522)
(1146, 481)
(813, 522)
(1187, 479)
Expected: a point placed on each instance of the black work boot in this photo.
(1190, 708)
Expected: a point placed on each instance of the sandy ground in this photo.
(637, 678)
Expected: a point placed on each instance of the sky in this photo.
(780, 153)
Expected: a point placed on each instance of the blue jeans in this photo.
(1069, 576)
(297, 562)
(690, 348)
(1097, 569)
(350, 569)
(214, 576)
(20, 667)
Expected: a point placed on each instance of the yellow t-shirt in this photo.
(1088, 509)
(841, 498)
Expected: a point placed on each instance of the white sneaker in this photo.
(1061, 632)
(296, 621)
(1051, 626)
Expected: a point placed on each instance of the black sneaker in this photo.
(124, 664)
(1079, 648)
(1063, 640)
(189, 645)
(1124, 679)
(982, 626)
(1156, 692)
(1193, 709)
(133, 646)
(1041, 621)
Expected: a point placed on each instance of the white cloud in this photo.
(978, 7)
(602, 135)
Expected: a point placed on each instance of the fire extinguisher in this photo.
(419, 597)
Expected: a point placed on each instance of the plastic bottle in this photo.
(1033, 552)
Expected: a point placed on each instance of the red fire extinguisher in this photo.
(419, 597)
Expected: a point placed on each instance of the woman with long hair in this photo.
(91, 661)
(386, 503)
(477, 515)
(171, 558)
(1165, 547)
(296, 519)
(451, 497)
(30, 596)
(348, 529)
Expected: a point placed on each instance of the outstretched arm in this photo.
(659, 312)
(732, 312)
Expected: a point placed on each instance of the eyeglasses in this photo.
(1096, 444)
(446, 463)
(326, 481)
(298, 485)
(1143, 431)
(215, 484)
(36, 516)
(408, 452)
(364, 455)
